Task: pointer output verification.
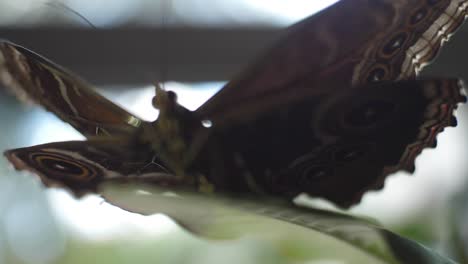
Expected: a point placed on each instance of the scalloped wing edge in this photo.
(454, 93)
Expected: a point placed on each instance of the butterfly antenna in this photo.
(64, 7)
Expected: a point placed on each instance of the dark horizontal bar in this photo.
(134, 55)
(124, 56)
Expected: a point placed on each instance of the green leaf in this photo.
(298, 233)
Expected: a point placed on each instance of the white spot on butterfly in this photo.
(396, 44)
(207, 123)
(59, 167)
(419, 16)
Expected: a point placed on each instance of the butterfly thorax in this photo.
(168, 135)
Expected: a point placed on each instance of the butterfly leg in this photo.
(152, 162)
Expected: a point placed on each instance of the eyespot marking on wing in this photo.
(394, 44)
(63, 167)
(378, 73)
(418, 16)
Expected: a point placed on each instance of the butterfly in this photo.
(330, 110)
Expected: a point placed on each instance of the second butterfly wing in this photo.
(295, 121)
(350, 43)
(36, 79)
(336, 145)
(82, 166)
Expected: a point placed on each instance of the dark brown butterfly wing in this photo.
(34, 78)
(82, 166)
(335, 145)
(348, 44)
(292, 123)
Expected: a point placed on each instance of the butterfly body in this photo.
(331, 110)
